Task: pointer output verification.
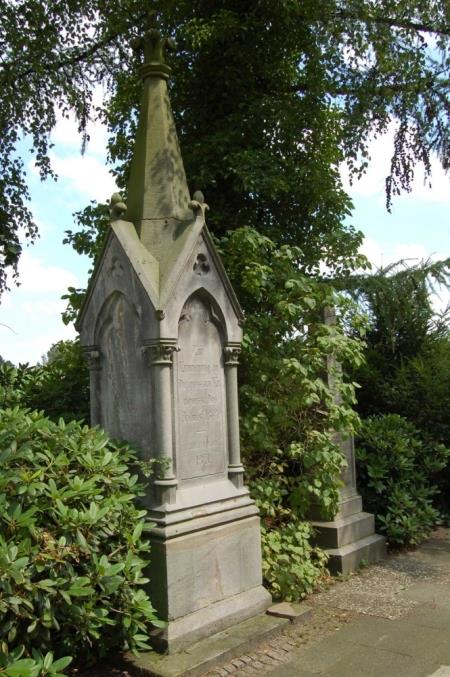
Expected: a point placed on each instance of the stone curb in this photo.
(215, 650)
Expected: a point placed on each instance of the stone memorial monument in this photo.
(161, 328)
(349, 538)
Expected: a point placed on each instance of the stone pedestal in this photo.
(211, 568)
(349, 538)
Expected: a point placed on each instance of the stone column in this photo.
(159, 355)
(231, 360)
(92, 356)
(349, 537)
(346, 442)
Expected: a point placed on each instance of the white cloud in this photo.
(372, 250)
(439, 191)
(33, 310)
(411, 254)
(37, 277)
(86, 175)
(49, 308)
(66, 132)
(372, 182)
(66, 135)
(20, 347)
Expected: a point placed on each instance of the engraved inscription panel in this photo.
(201, 393)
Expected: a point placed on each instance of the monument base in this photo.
(205, 569)
(349, 539)
(205, 622)
(350, 557)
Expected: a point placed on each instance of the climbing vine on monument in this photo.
(288, 412)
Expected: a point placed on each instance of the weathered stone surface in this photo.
(296, 613)
(349, 557)
(206, 566)
(215, 650)
(201, 391)
(344, 530)
(161, 328)
(181, 632)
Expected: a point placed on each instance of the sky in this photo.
(30, 315)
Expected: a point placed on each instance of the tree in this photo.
(407, 358)
(270, 98)
(403, 448)
(59, 386)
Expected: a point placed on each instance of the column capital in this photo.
(92, 355)
(231, 354)
(160, 351)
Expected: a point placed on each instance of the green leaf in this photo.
(61, 663)
(25, 667)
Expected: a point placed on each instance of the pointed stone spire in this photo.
(158, 196)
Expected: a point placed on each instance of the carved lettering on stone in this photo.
(201, 392)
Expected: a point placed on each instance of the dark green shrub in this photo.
(59, 386)
(14, 665)
(396, 476)
(407, 365)
(291, 566)
(71, 552)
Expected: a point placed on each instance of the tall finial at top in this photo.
(154, 47)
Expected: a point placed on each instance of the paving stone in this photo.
(415, 644)
(369, 662)
(258, 665)
(429, 592)
(297, 613)
(323, 655)
(238, 663)
(245, 659)
(277, 655)
(430, 615)
(443, 671)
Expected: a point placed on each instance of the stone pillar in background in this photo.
(349, 538)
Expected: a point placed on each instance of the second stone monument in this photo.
(161, 328)
(348, 538)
